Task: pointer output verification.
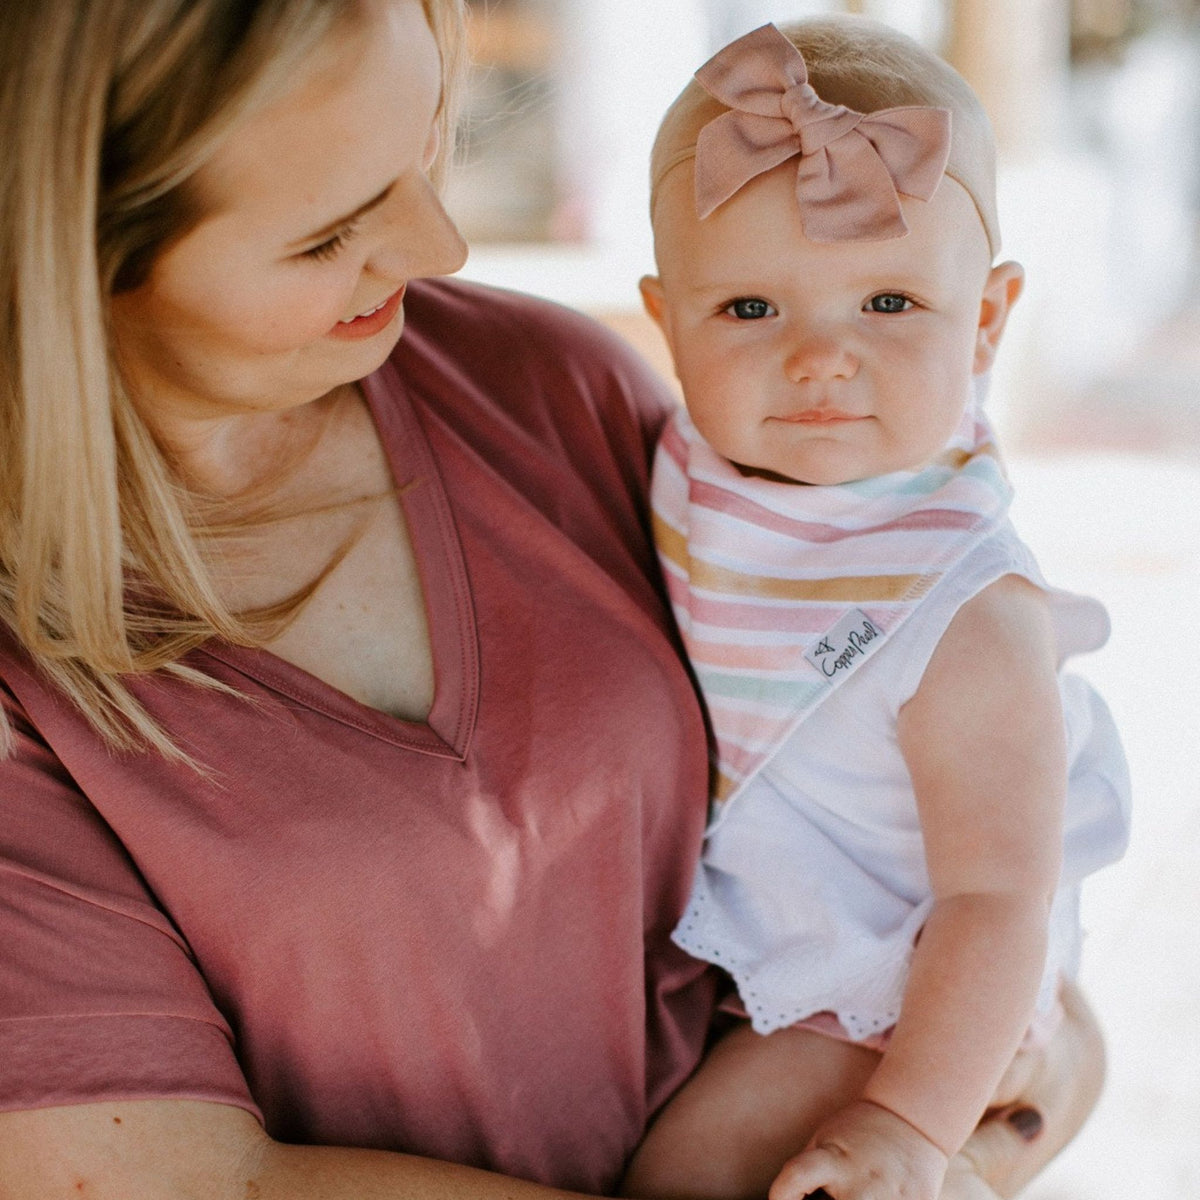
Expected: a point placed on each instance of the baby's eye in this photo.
(749, 308)
(888, 302)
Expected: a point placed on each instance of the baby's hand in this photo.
(864, 1152)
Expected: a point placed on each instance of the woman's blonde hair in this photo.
(108, 108)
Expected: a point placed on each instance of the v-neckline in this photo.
(449, 610)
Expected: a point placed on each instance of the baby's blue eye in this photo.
(889, 302)
(749, 309)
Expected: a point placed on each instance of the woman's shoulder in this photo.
(479, 312)
(522, 349)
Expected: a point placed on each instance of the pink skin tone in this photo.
(292, 284)
(243, 346)
(823, 364)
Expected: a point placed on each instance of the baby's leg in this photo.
(752, 1105)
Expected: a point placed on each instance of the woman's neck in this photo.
(245, 456)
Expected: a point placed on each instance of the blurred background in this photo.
(1096, 104)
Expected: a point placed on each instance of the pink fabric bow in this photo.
(853, 167)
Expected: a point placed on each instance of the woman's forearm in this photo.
(184, 1150)
(333, 1173)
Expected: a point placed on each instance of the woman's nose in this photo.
(819, 358)
(421, 239)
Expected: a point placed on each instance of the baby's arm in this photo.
(983, 739)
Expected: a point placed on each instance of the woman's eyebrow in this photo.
(333, 226)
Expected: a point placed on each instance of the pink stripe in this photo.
(677, 589)
(714, 497)
(756, 617)
(764, 554)
(673, 443)
(737, 762)
(788, 658)
(748, 728)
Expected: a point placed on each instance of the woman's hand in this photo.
(864, 1152)
(1042, 1101)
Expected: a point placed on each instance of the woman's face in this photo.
(317, 212)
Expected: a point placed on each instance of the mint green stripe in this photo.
(790, 692)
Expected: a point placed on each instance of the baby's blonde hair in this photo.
(867, 66)
(108, 108)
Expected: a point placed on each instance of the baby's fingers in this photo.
(808, 1174)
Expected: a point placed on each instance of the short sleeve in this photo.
(99, 996)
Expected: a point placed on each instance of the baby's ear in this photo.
(1004, 285)
(654, 300)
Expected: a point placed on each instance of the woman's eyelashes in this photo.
(332, 245)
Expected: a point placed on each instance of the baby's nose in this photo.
(819, 358)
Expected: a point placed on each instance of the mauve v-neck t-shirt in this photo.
(449, 938)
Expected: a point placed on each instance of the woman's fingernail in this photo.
(1027, 1122)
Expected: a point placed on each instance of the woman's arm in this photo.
(187, 1150)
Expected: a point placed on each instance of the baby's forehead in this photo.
(760, 233)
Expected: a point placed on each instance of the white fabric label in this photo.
(850, 642)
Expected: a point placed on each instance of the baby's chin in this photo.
(778, 477)
(816, 477)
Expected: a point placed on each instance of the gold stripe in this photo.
(858, 589)
(670, 542)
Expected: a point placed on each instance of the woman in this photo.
(354, 778)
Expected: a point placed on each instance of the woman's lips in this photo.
(370, 323)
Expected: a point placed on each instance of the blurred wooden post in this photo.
(1014, 53)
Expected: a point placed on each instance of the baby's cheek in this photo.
(722, 428)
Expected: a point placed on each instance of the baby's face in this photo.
(824, 363)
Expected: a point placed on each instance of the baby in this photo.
(886, 876)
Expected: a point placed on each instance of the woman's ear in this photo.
(1004, 285)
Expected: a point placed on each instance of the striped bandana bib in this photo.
(782, 590)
